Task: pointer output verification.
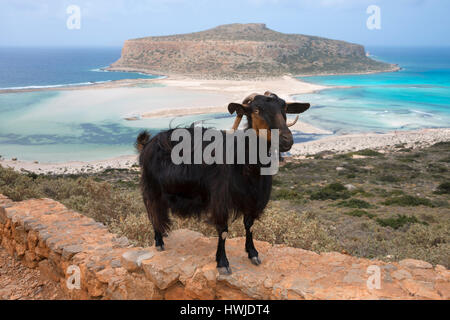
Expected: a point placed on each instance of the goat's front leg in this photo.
(223, 265)
(249, 245)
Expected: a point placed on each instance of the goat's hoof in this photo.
(225, 271)
(256, 261)
(160, 248)
(165, 234)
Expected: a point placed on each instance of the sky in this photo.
(111, 22)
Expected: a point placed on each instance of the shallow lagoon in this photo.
(416, 97)
(59, 126)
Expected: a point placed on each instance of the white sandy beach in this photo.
(192, 97)
(339, 144)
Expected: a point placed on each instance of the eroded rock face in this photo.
(46, 235)
(244, 50)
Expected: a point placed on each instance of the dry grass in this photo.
(122, 210)
(311, 207)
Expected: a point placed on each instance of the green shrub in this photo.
(443, 188)
(355, 203)
(385, 194)
(368, 153)
(359, 213)
(436, 168)
(446, 159)
(17, 186)
(286, 194)
(442, 145)
(408, 201)
(398, 222)
(388, 178)
(276, 182)
(333, 191)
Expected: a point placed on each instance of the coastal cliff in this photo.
(244, 51)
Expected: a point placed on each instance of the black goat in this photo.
(221, 191)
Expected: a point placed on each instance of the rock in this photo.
(116, 263)
(354, 276)
(6, 292)
(440, 268)
(49, 270)
(132, 259)
(401, 274)
(340, 169)
(69, 251)
(443, 288)
(420, 289)
(412, 263)
(236, 48)
(161, 271)
(350, 187)
(121, 242)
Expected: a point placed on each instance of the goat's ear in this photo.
(297, 107)
(236, 107)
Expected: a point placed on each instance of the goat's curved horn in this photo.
(290, 124)
(268, 93)
(246, 101)
(249, 98)
(236, 123)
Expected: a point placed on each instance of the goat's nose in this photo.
(286, 142)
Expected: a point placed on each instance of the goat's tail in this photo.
(142, 139)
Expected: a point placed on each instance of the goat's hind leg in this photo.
(223, 265)
(158, 215)
(249, 245)
(159, 242)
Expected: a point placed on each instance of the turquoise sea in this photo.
(416, 97)
(59, 126)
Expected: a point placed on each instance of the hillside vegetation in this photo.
(386, 206)
(244, 51)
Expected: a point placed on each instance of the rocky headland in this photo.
(237, 51)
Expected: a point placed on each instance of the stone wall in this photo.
(63, 244)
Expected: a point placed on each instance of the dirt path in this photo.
(18, 282)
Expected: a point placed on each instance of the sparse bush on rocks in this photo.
(408, 201)
(359, 213)
(397, 222)
(332, 191)
(443, 188)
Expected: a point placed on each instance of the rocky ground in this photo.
(18, 282)
(389, 204)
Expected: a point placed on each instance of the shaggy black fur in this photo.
(219, 191)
